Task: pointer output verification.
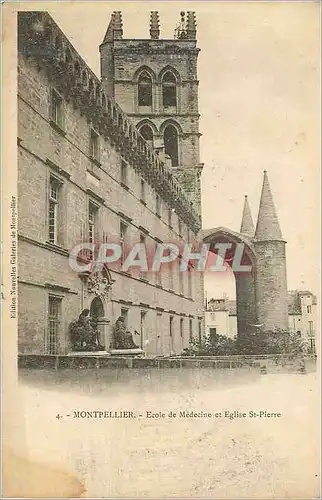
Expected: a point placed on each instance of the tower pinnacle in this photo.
(247, 225)
(154, 25)
(267, 227)
(191, 25)
(115, 27)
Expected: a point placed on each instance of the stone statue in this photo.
(84, 334)
(122, 336)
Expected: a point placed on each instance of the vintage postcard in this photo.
(161, 250)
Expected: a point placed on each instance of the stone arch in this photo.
(171, 133)
(146, 69)
(242, 251)
(148, 131)
(144, 80)
(172, 70)
(98, 286)
(97, 309)
(150, 123)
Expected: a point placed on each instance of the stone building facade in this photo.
(155, 82)
(303, 317)
(85, 173)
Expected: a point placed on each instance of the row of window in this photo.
(94, 229)
(54, 321)
(169, 89)
(55, 186)
(170, 141)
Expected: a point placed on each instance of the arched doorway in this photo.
(241, 258)
(97, 309)
(98, 318)
(97, 298)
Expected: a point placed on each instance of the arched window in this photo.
(147, 133)
(169, 90)
(145, 89)
(171, 144)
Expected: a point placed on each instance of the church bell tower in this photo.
(155, 82)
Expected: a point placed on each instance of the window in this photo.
(143, 274)
(92, 221)
(190, 329)
(159, 342)
(142, 328)
(212, 335)
(157, 205)
(54, 307)
(142, 192)
(312, 346)
(53, 209)
(311, 327)
(169, 90)
(94, 145)
(309, 309)
(189, 281)
(145, 89)
(181, 327)
(124, 315)
(147, 134)
(57, 115)
(123, 231)
(171, 333)
(199, 331)
(158, 276)
(171, 144)
(124, 173)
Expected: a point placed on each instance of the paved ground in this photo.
(177, 457)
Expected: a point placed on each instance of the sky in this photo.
(259, 73)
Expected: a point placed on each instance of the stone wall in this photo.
(271, 285)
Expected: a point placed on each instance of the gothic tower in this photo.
(155, 81)
(270, 282)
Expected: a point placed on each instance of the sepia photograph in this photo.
(161, 227)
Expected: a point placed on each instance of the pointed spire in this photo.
(154, 25)
(247, 225)
(115, 27)
(268, 227)
(109, 35)
(191, 25)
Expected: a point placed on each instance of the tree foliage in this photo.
(261, 342)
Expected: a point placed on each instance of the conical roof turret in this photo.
(267, 227)
(247, 224)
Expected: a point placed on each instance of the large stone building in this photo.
(115, 160)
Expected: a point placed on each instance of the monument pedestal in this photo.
(88, 353)
(127, 352)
